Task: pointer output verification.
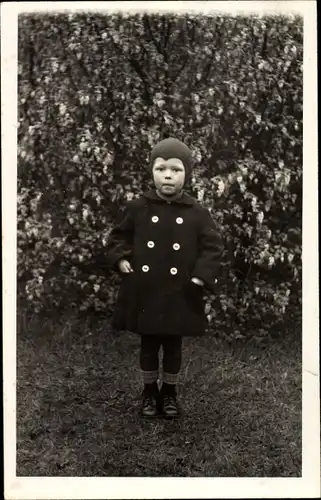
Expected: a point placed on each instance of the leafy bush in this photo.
(97, 92)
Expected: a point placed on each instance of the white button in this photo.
(150, 244)
(155, 218)
(176, 246)
(179, 220)
(145, 269)
(173, 270)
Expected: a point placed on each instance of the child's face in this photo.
(169, 175)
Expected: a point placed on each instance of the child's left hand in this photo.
(197, 281)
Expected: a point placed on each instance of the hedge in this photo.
(96, 92)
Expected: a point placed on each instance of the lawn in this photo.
(78, 400)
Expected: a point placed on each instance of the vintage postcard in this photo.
(160, 250)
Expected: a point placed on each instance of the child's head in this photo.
(171, 163)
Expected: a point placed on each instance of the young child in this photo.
(167, 249)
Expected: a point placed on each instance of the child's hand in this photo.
(197, 281)
(124, 266)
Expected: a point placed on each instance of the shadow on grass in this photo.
(78, 400)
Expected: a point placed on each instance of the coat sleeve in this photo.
(210, 249)
(120, 239)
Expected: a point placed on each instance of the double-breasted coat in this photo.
(167, 243)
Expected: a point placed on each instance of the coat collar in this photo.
(185, 199)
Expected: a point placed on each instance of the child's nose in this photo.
(168, 174)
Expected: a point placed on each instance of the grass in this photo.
(78, 399)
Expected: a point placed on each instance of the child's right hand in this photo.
(124, 266)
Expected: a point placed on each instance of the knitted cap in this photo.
(173, 148)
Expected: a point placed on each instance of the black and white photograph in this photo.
(160, 249)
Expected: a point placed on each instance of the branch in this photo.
(144, 77)
(168, 32)
(150, 35)
(207, 70)
(180, 70)
(264, 46)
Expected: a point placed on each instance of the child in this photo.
(167, 249)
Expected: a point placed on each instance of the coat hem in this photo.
(192, 335)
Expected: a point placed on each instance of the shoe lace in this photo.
(149, 399)
(169, 399)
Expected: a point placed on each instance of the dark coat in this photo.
(167, 243)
